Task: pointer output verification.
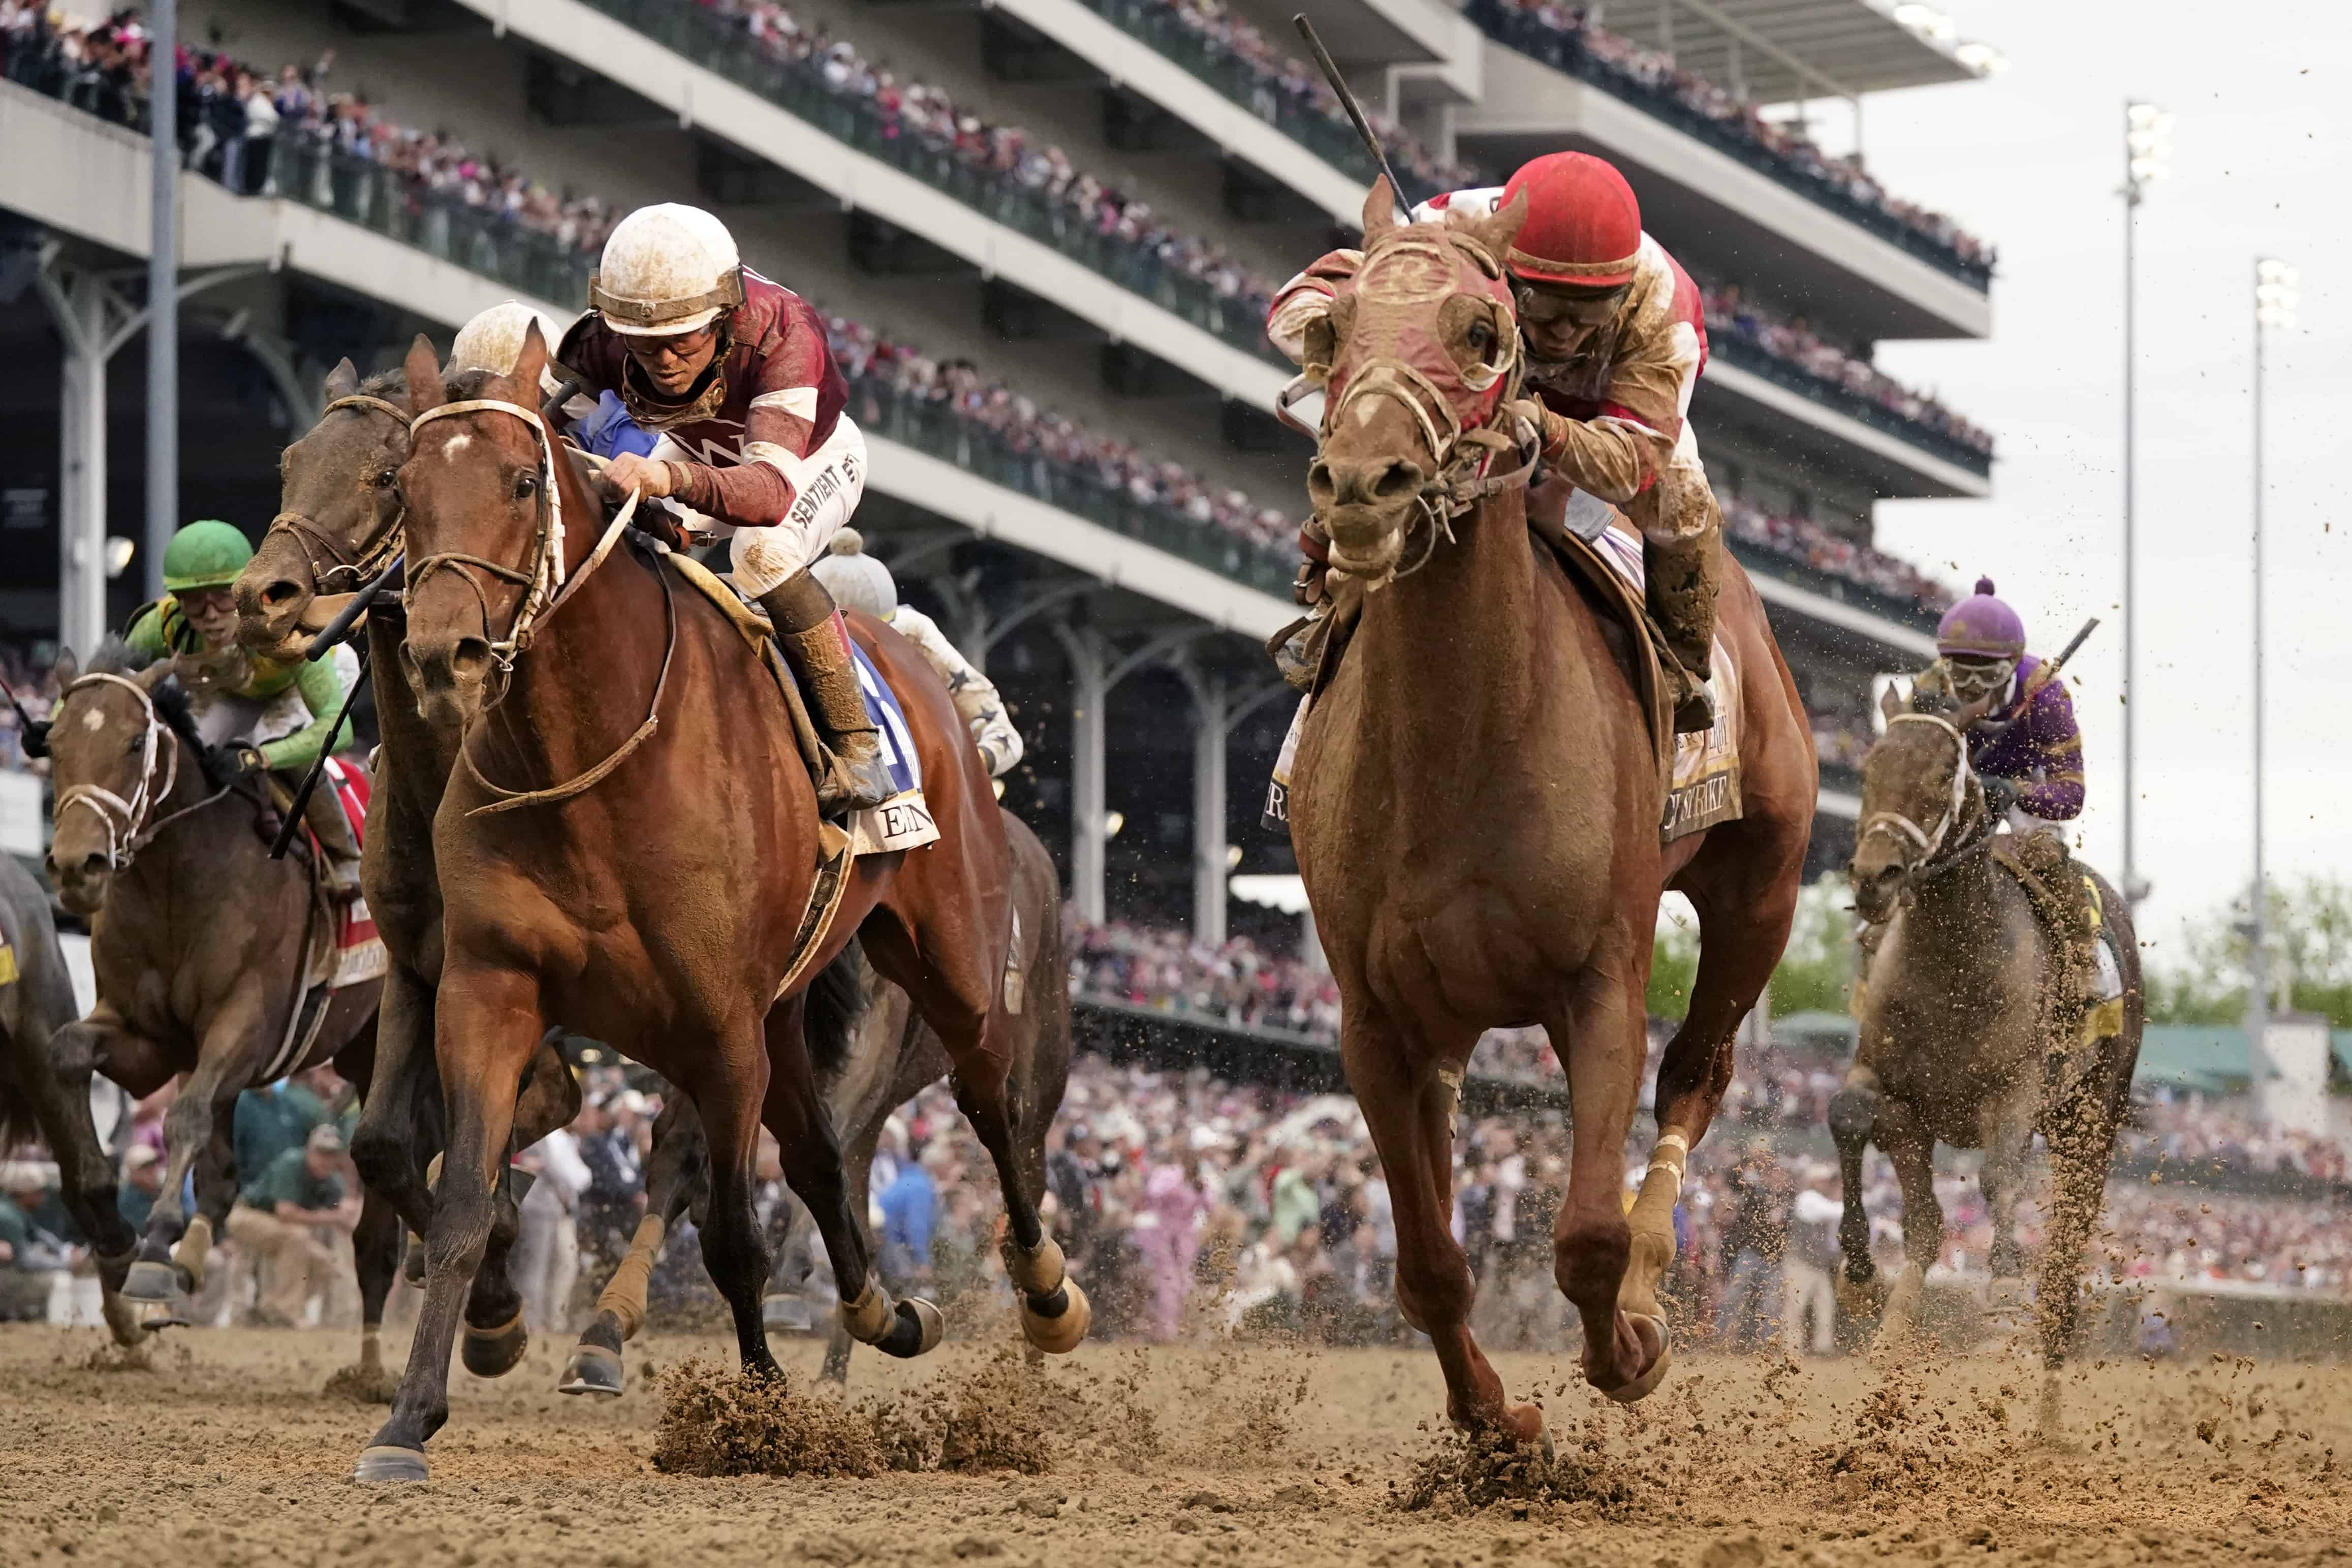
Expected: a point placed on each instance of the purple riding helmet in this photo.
(1981, 639)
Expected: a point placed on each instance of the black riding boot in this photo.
(816, 645)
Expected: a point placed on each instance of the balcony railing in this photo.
(1732, 348)
(1563, 50)
(721, 45)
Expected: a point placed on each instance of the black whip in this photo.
(318, 765)
(1348, 102)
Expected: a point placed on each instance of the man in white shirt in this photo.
(545, 1261)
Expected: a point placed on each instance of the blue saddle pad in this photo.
(882, 706)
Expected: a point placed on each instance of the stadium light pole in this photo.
(2275, 299)
(2147, 137)
(162, 288)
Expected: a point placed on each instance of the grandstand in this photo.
(1045, 229)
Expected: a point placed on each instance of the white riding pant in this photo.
(976, 696)
(826, 487)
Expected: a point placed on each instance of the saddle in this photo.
(2075, 922)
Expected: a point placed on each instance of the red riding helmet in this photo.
(1583, 225)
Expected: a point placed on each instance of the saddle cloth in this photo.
(1703, 787)
(2104, 1016)
(359, 949)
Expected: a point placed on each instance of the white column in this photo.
(163, 299)
(1089, 695)
(78, 307)
(1209, 709)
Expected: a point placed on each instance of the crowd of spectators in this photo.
(1570, 37)
(1807, 543)
(2193, 1133)
(1731, 315)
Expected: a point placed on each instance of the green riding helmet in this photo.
(207, 554)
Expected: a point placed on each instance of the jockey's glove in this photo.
(1999, 796)
(232, 764)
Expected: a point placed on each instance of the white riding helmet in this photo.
(666, 270)
(493, 340)
(856, 580)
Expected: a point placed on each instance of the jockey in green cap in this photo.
(287, 710)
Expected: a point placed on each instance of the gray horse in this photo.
(1970, 1033)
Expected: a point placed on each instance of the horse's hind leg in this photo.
(1598, 1040)
(857, 1173)
(1409, 1106)
(729, 1098)
(811, 1156)
(376, 1244)
(2005, 1134)
(1853, 1113)
(400, 1114)
(495, 1338)
(204, 1109)
(2082, 1134)
(676, 1178)
(486, 1024)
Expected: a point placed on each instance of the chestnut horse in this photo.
(339, 524)
(201, 942)
(1967, 1036)
(650, 868)
(1477, 801)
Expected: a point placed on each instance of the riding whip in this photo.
(1348, 102)
(32, 734)
(318, 765)
(1995, 732)
(340, 627)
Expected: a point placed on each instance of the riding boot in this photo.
(2073, 925)
(323, 813)
(1682, 582)
(816, 645)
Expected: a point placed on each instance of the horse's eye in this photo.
(1481, 339)
(385, 479)
(526, 486)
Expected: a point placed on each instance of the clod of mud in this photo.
(997, 1418)
(111, 1357)
(715, 1421)
(1460, 1473)
(361, 1385)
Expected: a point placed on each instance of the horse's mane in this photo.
(391, 386)
(116, 656)
(1931, 694)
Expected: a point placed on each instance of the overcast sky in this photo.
(2031, 159)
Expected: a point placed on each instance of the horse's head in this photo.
(1917, 789)
(112, 759)
(485, 530)
(1420, 346)
(339, 511)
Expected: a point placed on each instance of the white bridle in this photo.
(1896, 821)
(126, 820)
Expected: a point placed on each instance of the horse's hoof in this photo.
(124, 1319)
(494, 1352)
(592, 1368)
(1060, 1334)
(149, 1281)
(1645, 1385)
(918, 1329)
(388, 1462)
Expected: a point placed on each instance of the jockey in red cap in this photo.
(1615, 338)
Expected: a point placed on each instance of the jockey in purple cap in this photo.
(2028, 753)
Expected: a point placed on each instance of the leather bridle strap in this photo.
(316, 544)
(126, 820)
(1929, 841)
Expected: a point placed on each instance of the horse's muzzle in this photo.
(1877, 889)
(450, 681)
(270, 614)
(80, 880)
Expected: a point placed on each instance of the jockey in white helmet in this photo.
(733, 372)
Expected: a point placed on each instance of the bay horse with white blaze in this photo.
(657, 887)
(1476, 805)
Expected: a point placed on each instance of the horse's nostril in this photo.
(279, 593)
(470, 658)
(1397, 479)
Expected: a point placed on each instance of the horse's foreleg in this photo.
(2082, 1134)
(1409, 1106)
(399, 1127)
(1743, 930)
(1853, 1112)
(496, 1337)
(1910, 1149)
(175, 1252)
(676, 1178)
(376, 1244)
(857, 1171)
(58, 1087)
(2005, 1134)
(727, 1097)
(1598, 1038)
(488, 1023)
(810, 1155)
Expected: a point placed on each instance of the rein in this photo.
(549, 588)
(1931, 841)
(128, 830)
(316, 544)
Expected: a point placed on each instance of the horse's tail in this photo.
(836, 1000)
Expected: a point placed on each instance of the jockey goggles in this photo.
(1971, 678)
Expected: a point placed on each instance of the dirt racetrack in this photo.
(225, 1451)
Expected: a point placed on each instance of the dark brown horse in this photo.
(339, 524)
(1968, 1033)
(656, 874)
(202, 945)
(1476, 807)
